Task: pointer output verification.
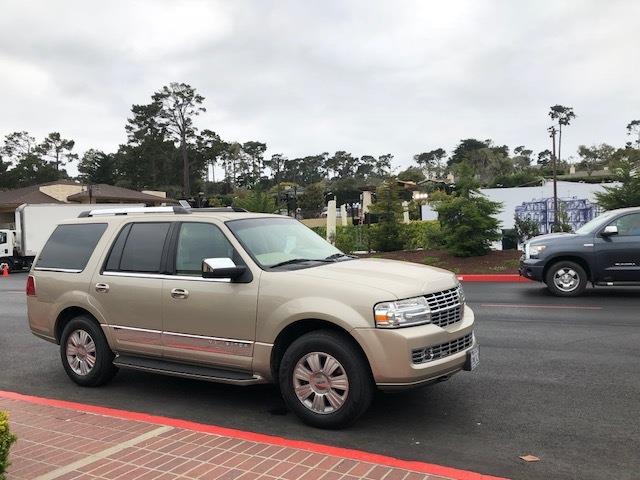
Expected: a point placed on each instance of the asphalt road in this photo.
(559, 379)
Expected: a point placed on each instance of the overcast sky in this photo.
(369, 77)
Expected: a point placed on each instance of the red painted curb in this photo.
(500, 278)
(422, 467)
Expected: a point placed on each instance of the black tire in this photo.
(352, 363)
(103, 368)
(574, 271)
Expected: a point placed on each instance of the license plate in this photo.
(473, 359)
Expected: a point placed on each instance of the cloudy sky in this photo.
(369, 77)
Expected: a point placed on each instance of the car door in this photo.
(619, 254)
(207, 320)
(128, 288)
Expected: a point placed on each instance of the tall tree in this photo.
(210, 147)
(179, 105)
(465, 147)
(594, 157)
(564, 116)
(633, 128)
(255, 153)
(57, 150)
(383, 165)
(17, 145)
(431, 161)
(98, 167)
(544, 157)
(276, 164)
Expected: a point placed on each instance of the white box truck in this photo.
(34, 224)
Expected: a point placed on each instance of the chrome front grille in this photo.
(435, 352)
(446, 306)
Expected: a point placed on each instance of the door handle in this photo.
(180, 293)
(102, 287)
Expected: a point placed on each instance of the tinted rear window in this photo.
(143, 248)
(71, 246)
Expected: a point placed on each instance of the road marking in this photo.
(566, 307)
(103, 454)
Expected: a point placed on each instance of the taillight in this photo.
(31, 286)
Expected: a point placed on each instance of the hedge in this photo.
(6, 440)
(358, 238)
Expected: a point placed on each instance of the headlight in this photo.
(402, 313)
(535, 250)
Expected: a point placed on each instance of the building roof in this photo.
(99, 192)
(31, 194)
(105, 192)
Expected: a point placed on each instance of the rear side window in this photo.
(139, 248)
(70, 246)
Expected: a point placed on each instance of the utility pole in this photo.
(552, 133)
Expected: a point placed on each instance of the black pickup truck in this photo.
(604, 251)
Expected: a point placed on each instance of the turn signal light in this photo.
(31, 286)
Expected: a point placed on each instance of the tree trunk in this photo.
(185, 168)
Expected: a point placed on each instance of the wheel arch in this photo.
(301, 327)
(66, 315)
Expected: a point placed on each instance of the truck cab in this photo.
(604, 251)
(8, 241)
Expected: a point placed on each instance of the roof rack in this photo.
(126, 211)
(220, 209)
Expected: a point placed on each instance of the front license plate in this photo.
(473, 359)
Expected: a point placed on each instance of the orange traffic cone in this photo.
(5, 269)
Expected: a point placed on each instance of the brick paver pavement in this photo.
(67, 443)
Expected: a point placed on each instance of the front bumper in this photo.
(389, 352)
(532, 268)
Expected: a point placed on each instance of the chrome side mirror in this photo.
(610, 230)
(222, 267)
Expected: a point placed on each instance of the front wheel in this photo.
(566, 279)
(325, 380)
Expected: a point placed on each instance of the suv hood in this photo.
(400, 279)
(554, 237)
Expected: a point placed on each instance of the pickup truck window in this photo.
(3, 237)
(70, 246)
(628, 225)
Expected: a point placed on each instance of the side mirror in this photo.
(610, 230)
(221, 268)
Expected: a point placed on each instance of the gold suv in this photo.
(245, 298)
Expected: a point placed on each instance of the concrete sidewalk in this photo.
(61, 440)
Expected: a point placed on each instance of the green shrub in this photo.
(6, 440)
(411, 236)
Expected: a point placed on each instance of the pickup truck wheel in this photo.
(85, 353)
(566, 279)
(325, 380)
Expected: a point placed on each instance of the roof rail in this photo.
(219, 209)
(126, 211)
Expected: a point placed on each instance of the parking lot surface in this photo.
(558, 379)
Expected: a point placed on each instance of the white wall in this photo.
(512, 197)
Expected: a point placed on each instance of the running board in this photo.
(617, 284)
(199, 372)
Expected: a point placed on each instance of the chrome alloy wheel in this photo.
(320, 382)
(81, 352)
(566, 279)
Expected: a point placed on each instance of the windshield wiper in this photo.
(336, 256)
(300, 260)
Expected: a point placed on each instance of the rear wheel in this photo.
(566, 279)
(85, 353)
(325, 380)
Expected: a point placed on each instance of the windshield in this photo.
(273, 241)
(595, 223)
